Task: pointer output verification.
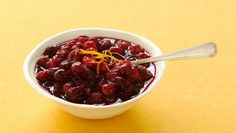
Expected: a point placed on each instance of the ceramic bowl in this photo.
(83, 110)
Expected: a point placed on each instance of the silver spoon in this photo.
(208, 49)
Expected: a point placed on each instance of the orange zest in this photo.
(101, 58)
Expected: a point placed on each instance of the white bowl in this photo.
(91, 111)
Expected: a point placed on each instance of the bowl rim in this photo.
(159, 72)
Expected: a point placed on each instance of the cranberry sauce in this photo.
(94, 70)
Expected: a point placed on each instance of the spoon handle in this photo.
(208, 49)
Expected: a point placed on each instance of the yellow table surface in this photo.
(194, 96)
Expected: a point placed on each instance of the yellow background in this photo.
(194, 96)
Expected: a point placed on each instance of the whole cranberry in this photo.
(65, 64)
(82, 71)
(145, 74)
(63, 53)
(43, 76)
(74, 56)
(104, 44)
(135, 49)
(117, 50)
(77, 68)
(71, 43)
(71, 93)
(51, 51)
(90, 44)
(55, 61)
(134, 74)
(108, 89)
(43, 61)
(82, 39)
(103, 69)
(79, 90)
(89, 62)
(124, 44)
(125, 67)
(60, 75)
